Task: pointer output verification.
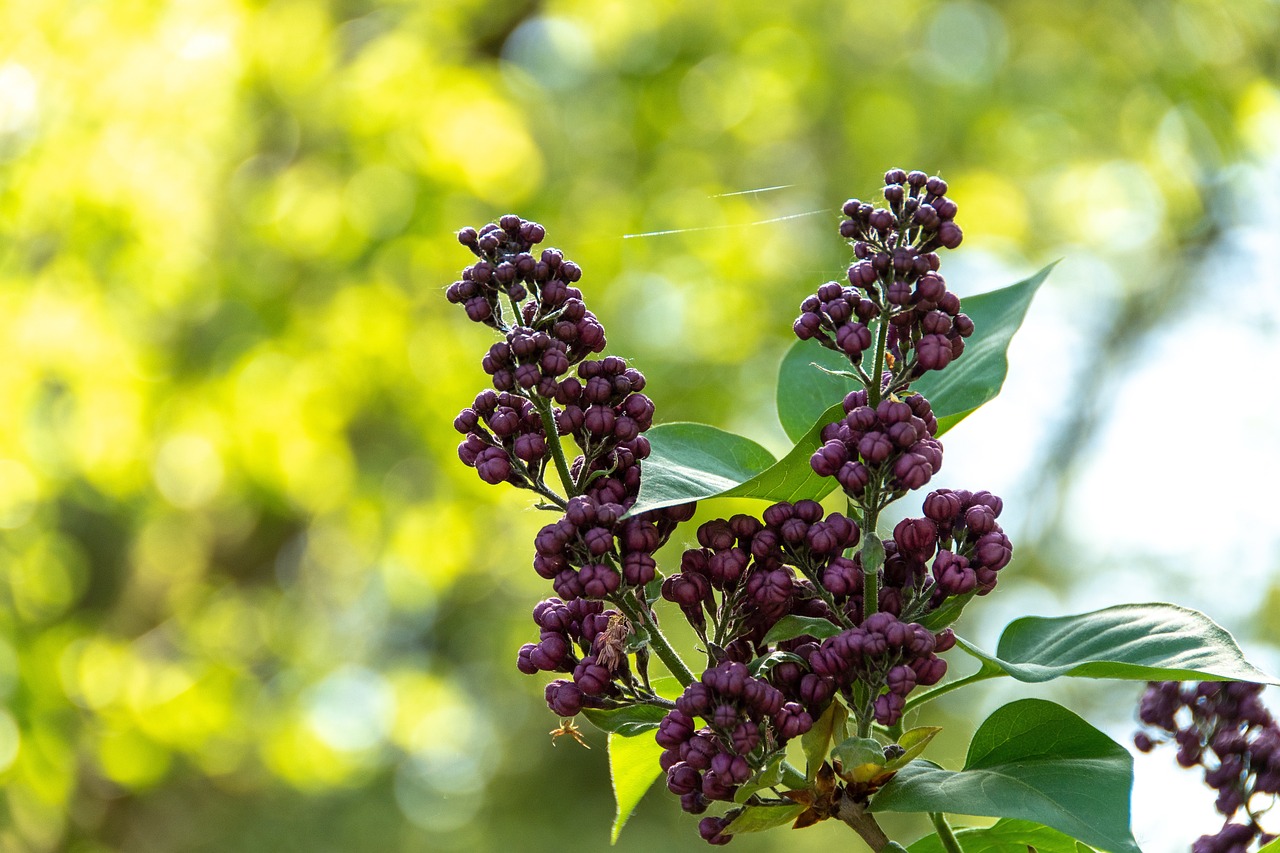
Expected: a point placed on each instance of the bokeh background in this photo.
(249, 598)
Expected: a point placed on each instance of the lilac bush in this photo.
(820, 632)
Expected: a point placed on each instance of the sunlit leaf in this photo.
(1031, 760)
(1143, 642)
(633, 768)
(760, 818)
(1006, 836)
(627, 722)
(805, 391)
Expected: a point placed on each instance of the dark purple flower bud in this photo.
(686, 590)
(745, 737)
(933, 352)
(901, 680)
(592, 678)
(711, 830)
(943, 506)
(950, 235)
(493, 466)
(853, 477)
(564, 698)
(598, 580)
(888, 708)
(775, 515)
(638, 568)
(683, 779)
(980, 519)
(842, 577)
(875, 447)
(931, 288)
(912, 470)
(522, 660)
(953, 574)
(993, 550)
(529, 447)
(853, 338)
(929, 671)
(816, 691)
(792, 720)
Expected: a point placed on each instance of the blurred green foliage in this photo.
(250, 599)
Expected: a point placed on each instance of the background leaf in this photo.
(791, 626)
(689, 462)
(818, 738)
(627, 722)
(760, 818)
(1131, 641)
(633, 768)
(1032, 760)
(804, 391)
(1006, 836)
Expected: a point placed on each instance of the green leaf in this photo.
(948, 613)
(1273, 847)
(627, 722)
(861, 758)
(760, 818)
(760, 666)
(1144, 642)
(817, 739)
(633, 768)
(805, 392)
(1006, 836)
(791, 626)
(689, 462)
(1031, 760)
(914, 741)
(769, 775)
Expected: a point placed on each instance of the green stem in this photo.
(945, 835)
(661, 645)
(873, 390)
(929, 695)
(553, 440)
(872, 560)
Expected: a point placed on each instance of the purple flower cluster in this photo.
(507, 267)
(752, 564)
(895, 279)
(891, 447)
(592, 552)
(920, 215)
(1224, 728)
(960, 534)
(503, 435)
(576, 638)
(888, 655)
(748, 721)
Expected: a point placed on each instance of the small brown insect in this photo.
(612, 642)
(567, 727)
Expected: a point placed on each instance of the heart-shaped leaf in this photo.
(1144, 642)
(804, 391)
(1006, 836)
(633, 768)
(1031, 760)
